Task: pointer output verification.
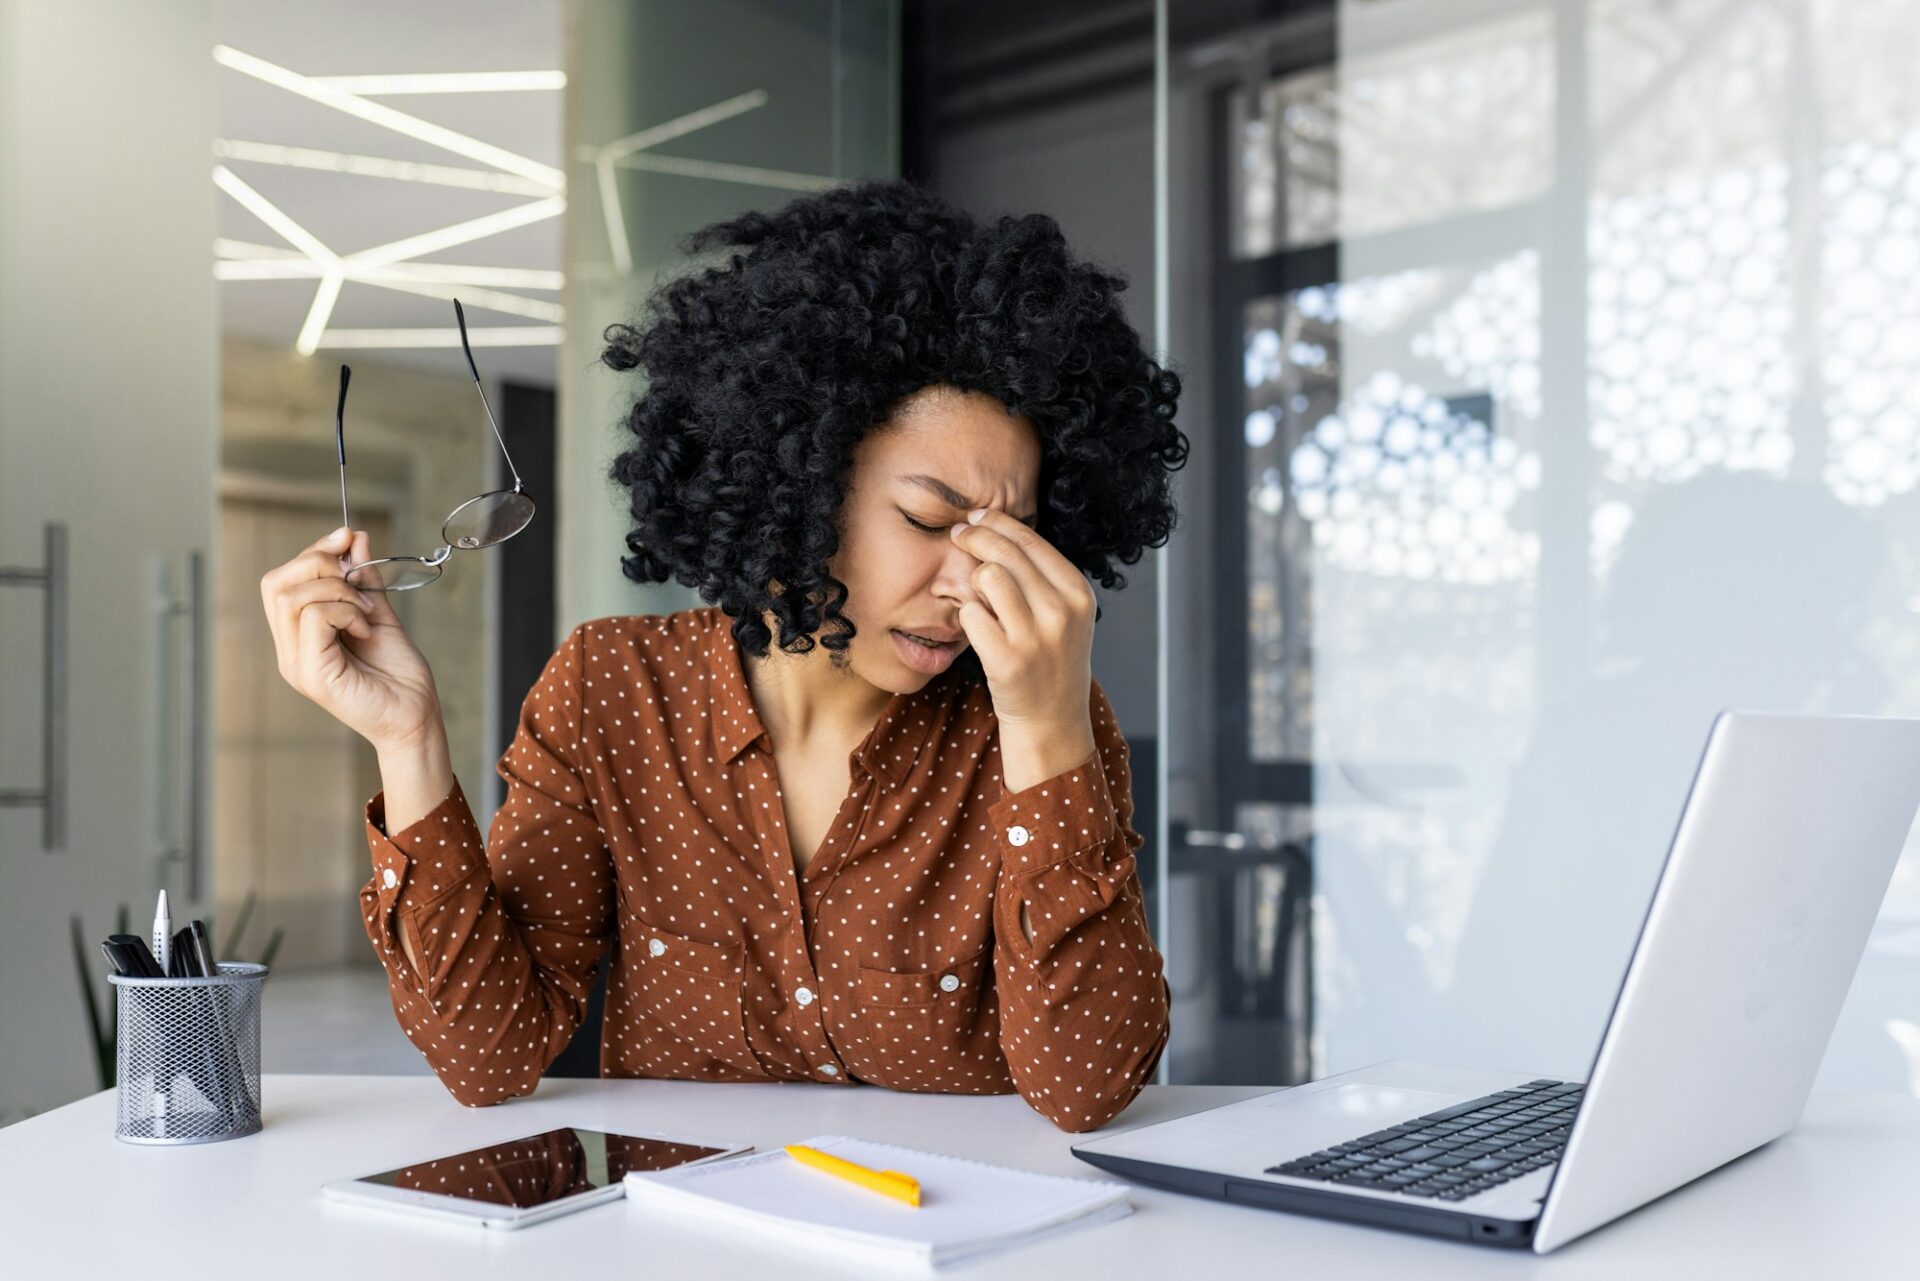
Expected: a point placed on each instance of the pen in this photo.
(203, 949)
(902, 1187)
(183, 963)
(199, 946)
(162, 933)
(135, 959)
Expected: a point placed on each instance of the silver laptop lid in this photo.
(1783, 854)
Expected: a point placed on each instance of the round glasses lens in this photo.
(488, 519)
(394, 574)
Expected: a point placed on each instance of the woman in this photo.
(896, 847)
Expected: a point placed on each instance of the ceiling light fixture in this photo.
(603, 157)
(319, 313)
(265, 210)
(492, 299)
(333, 270)
(299, 268)
(460, 233)
(273, 153)
(447, 82)
(504, 336)
(241, 260)
(387, 117)
(752, 175)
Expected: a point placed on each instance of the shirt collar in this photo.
(889, 751)
(731, 718)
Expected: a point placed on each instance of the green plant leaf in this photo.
(239, 927)
(100, 1038)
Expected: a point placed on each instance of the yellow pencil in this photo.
(902, 1187)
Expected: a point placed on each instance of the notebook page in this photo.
(964, 1205)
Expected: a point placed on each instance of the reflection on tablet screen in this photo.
(541, 1167)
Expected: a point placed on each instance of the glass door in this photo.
(1551, 387)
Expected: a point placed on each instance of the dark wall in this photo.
(525, 636)
(1048, 107)
(527, 559)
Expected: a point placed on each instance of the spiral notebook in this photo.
(966, 1207)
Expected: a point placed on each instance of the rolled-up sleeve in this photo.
(509, 930)
(1084, 1004)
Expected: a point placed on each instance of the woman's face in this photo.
(942, 453)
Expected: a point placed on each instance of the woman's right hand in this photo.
(345, 649)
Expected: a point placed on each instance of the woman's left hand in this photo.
(1032, 625)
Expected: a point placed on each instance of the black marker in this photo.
(203, 950)
(182, 963)
(136, 957)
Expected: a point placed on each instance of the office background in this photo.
(1552, 369)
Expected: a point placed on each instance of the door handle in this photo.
(184, 839)
(51, 795)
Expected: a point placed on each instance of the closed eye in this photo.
(925, 529)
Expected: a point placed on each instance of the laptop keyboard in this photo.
(1456, 1152)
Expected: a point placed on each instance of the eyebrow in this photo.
(954, 498)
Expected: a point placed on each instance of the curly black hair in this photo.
(765, 373)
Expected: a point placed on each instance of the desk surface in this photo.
(1837, 1197)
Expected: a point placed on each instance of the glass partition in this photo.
(1552, 388)
(682, 115)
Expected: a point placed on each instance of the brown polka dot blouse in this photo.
(643, 812)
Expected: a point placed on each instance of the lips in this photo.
(931, 636)
(922, 657)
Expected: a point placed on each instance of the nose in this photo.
(953, 581)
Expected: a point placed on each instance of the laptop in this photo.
(1783, 853)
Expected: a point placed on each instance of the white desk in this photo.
(1838, 1198)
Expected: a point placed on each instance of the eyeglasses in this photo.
(479, 522)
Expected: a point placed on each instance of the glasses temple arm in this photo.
(461, 315)
(340, 441)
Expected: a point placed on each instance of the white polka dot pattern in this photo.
(643, 812)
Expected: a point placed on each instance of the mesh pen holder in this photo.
(188, 1058)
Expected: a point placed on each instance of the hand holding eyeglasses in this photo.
(345, 649)
(335, 633)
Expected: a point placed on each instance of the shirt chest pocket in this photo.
(693, 989)
(939, 1001)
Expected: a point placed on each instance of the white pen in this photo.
(162, 933)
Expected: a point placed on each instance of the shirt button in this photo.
(390, 878)
(828, 1069)
(803, 995)
(1018, 834)
(656, 947)
(948, 982)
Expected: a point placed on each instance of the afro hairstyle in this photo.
(764, 372)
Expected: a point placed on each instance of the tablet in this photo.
(525, 1180)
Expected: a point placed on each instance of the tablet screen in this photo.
(540, 1168)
